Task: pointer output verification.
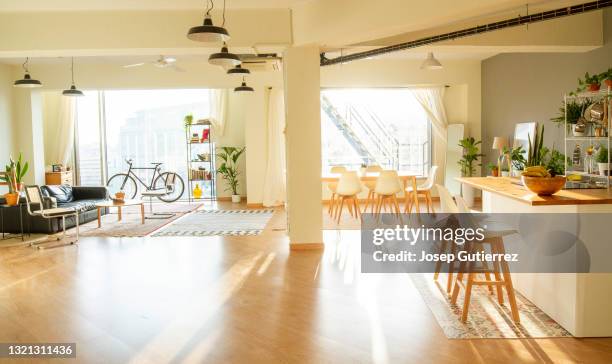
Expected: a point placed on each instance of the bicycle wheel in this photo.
(175, 190)
(122, 182)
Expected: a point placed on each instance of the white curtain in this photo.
(274, 193)
(62, 146)
(432, 101)
(218, 110)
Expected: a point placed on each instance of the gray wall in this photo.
(524, 87)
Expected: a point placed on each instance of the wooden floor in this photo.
(238, 300)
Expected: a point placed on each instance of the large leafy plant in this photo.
(15, 171)
(229, 167)
(574, 110)
(471, 153)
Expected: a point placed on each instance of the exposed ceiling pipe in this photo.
(514, 22)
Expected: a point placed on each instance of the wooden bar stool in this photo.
(447, 205)
(500, 270)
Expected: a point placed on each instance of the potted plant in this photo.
(590, 83)
(471, 153)
(188, 120)
(517, 159)
(494, 169)
(542, 173)
(603, 161)
(606, 77)
(229, 169)
(15, 171)
(574, 110)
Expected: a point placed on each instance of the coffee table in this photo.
(119, 205)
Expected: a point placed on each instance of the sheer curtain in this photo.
(218, 110)
(274, 193)
(62, 145)
(432, 101)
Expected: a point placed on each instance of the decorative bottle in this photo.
(197, 191)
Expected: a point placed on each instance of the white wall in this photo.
(6, 117)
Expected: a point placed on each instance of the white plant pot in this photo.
(604, 168)
(505, 174)
(235, 198)
(468, 193)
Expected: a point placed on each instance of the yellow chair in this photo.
(370, 186)
(332, 187)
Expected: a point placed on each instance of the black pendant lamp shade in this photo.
(224, 58)
(27, 81)
(238, 70)
(244, 87)
(72, 91)
(208, 32)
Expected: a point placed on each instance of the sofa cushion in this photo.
(80, 205)
(62, 194)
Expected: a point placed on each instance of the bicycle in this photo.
(170, 182)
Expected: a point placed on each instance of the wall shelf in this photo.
(208, 185)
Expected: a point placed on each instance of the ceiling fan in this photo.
(161, 62)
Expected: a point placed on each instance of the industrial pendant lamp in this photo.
(238, 70)
(27, 81)
(431, 63)
(244, 87)
(72, 91)
(224, 58)
(208, 32)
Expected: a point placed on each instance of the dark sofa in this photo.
(82, 198)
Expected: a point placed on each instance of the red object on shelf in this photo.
(205, 134)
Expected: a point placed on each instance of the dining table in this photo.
(407, 179)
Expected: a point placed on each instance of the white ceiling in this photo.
(79, 5)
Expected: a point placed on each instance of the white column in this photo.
(29, 133)
(303, 133)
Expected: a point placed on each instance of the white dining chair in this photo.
(424, 190)
(371, 186)
(388, 185)
(332, 186)
(349, 186)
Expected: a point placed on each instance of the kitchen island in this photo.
(580, 302)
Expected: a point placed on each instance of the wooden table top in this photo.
(117, 203)
(368, 177)
(505, 187)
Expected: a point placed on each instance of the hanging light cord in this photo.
(210, 4)
(223, 24)
(25, 65)
(72, 69)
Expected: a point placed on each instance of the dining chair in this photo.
(332, 186)
(447, 206)
(424, 190)
(36, 208)
(388, 185)
(501, 271)
(371, 186)
(349, 186)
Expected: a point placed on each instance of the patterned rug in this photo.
(219, 222)
(486, 319)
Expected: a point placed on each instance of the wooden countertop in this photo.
(504, 187)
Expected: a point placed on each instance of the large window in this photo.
(143, 125)
(386, 127)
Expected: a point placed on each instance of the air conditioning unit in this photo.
(261, 62)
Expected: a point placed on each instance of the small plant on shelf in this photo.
(591, 83)
(188, 120)
(471, 153)
(229, 169)
(574, 111)
(603, 161)
(606, 77)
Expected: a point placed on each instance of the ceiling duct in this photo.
(509, 23)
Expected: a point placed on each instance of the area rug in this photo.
(131, 223)
(486, 319)
(219, 223)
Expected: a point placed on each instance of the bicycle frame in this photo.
(130, 173)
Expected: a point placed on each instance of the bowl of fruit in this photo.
(538, 180)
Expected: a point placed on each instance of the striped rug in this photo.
(219, 223)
